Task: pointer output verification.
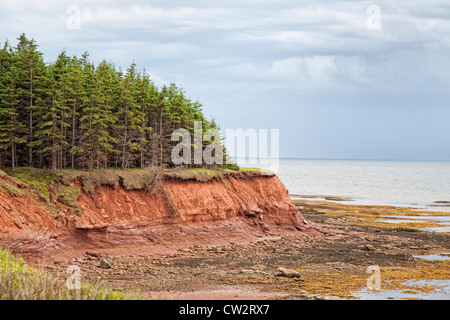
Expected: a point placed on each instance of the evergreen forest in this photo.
(72, 114)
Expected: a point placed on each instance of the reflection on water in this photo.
(442, 256)
(437, 229)
(440, 291)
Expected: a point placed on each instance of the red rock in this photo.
(201, 208)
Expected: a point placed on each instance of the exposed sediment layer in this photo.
(178, 208)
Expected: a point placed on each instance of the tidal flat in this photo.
(338, 264)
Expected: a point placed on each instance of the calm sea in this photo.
(401, 183)
(417, 184)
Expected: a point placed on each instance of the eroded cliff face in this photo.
(186, 210)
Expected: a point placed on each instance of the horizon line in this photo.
(342, 159)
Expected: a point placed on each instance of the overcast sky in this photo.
(339, 79)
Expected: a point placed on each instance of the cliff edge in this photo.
(37, 220)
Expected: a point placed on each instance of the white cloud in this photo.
(276, 52)
(353, 70)
(157, 80)
(287, 67)
(324, 41)
(247, 69)
(316, 68)
(332, 73)
(320, 68)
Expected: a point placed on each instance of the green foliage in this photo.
(68, 196)
(18, 281)
(204, 175)
(73, 114)
(12, 263)
(11, 189)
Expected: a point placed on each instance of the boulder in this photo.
(288, 273)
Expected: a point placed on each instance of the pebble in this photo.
(367, 247)
(105, 264)
(283, 272)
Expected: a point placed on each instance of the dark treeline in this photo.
(73, 114)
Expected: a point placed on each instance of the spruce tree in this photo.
(13, 132)
(4, 58)
(30, 67)
(131, 119)
(50, 130)
(97, 119)
(74, 100)
(146, 90)
(70, 113)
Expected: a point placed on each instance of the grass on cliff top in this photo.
(204, 175)
(132, 179)
(18, 281)
(58, 189)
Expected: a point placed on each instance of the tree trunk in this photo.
(30, 148)
(72, 156)
(125, 137)
(160, 139)
(13, 156)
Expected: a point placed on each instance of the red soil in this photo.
(181, 213)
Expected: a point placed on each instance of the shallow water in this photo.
(443, 221)
(419, 185)
(441, 291)
(437, 229)
(442, 256)
(401, 221)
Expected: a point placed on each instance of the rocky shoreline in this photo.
(301, 266)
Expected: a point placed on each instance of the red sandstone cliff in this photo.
(179, 208)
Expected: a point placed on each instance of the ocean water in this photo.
(417, 184)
